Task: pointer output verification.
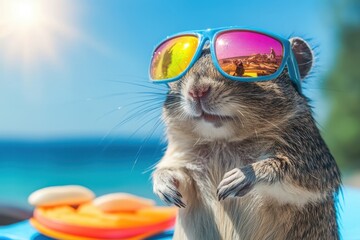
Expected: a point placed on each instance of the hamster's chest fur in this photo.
(233, 218)
(215, 159)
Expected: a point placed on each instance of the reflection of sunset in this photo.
(245, 43)
(248, 54)
(31, 30)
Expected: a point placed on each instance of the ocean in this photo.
(123, 165)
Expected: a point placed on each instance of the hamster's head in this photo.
(205, 104)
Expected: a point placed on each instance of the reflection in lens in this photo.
(172, 57)
(248, 54)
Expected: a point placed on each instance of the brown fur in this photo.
(265, 160)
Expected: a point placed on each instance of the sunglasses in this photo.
(239, 54)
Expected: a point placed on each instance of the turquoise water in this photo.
(122, 166)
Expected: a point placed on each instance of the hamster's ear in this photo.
(303, 54)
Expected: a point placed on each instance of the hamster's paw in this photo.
(165, 186)
(235, 183)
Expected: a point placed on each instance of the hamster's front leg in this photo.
(240, 181)
(236, 183)
(166, 184)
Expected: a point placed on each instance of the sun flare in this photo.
(34, 31)
(25, 14)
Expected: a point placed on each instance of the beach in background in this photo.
(121, 166)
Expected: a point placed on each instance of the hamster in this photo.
(245, 160)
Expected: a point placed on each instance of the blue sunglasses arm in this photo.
(293, 69)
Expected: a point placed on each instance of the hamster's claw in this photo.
(165, 188)
(235, 183)
(171, 199)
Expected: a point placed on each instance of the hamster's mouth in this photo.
(213, 118)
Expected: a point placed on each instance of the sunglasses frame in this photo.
(210, 35)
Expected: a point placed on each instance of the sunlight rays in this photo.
(34, 31)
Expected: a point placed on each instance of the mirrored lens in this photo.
(172, 57)
(248, 54)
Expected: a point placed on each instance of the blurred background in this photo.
(77, 106)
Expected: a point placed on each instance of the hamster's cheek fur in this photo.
(211, 131)
(191, 110)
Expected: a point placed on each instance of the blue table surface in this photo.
(349, 221)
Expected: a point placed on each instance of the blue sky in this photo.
(73, 94)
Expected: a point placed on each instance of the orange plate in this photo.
(109, 233)
(63, 236)
(88, 221)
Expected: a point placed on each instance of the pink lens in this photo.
(248, 54)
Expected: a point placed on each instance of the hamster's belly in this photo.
(248, 217)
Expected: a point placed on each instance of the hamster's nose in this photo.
(199, 92)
